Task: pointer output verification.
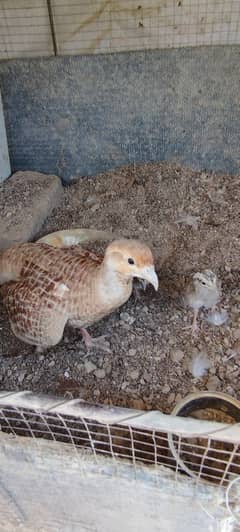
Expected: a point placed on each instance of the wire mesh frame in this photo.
(51, 27)
(125, 434)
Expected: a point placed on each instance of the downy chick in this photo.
(204, 291)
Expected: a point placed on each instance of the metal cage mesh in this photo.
(127, 434)
(51, 27)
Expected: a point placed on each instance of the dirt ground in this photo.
(192, 221)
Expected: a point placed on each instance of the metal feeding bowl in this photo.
(201, 456)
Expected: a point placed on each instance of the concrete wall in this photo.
(84, 114)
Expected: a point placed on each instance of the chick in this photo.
(204, 291)
(45, 287)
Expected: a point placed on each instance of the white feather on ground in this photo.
(199, 365)
(217, 318)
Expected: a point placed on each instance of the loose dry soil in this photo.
(192, 221)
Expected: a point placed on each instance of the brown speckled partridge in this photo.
(44, 287)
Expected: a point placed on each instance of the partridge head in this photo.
(204, 291)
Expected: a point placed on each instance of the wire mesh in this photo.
(204, 458)
(47, 27)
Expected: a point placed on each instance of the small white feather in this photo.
(199, 365)
(217, 318)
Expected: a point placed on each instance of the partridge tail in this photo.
(72, 237)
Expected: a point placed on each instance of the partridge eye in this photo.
(203, 282)
(130, 261)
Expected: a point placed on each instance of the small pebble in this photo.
(213, 383)
(124, 316)
(21, 376)
(100, 373)
(124, 385)
(66, 374)
(166, 388)
(134, 374)
(171, 398)
(177, 355)
(89, 366)
(51, 364)
(132, 352)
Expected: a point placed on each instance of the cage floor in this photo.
(192, 221)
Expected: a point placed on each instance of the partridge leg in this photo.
(95, 343)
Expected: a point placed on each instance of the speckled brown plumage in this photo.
(46, 287)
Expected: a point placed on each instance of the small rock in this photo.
(177, 355)
(178, 397)
(236, 334)
(89, 366)
(108, 368)
(134, 374)
(213, 383)
(166, 388)
(100, 373)
(66, 374)
(147, 377)
(132, 352)
(21, 376)
(171, 398)
(124, 316)
(51, 364)
(9, 372)
(124, 385)
(41, 358)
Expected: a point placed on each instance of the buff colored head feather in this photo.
(131, 258)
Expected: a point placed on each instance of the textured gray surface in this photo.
(82, 115)
(26, 199)
(4, 156)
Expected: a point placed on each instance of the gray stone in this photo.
(21, 376)
(134, 374)
(213, 383)
(26, 199)
(166, 388)
(124, 316)
(100, 373)
(89, 366)
(177, 355)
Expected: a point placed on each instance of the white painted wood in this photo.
(48, 487)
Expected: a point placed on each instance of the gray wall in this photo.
(81, 115)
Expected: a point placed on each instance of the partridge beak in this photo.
(148, 274)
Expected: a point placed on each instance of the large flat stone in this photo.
(26, 199)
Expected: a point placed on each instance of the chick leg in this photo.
(194, 323)
(95, 343)
(194, 327)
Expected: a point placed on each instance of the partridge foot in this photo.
(95, 343)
